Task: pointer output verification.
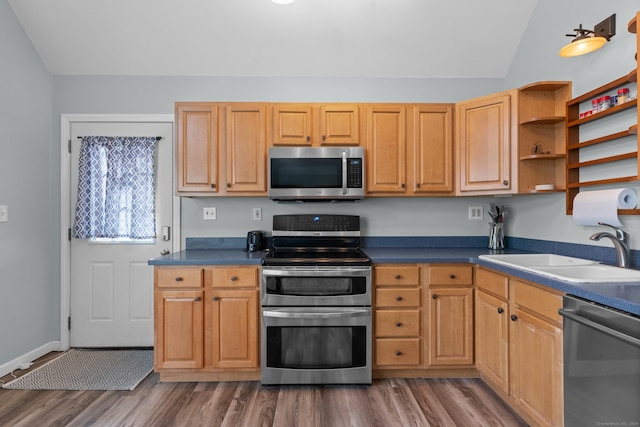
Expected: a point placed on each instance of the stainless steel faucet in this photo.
(620, 243)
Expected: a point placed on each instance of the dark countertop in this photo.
(623, 296)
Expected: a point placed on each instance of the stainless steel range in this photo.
(316, 302)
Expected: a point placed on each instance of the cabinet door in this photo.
(451, 326)
(245, 136)
(234, 326)
(292, 124)
(433, 148)
(386, 162)
(179, 329)
(196, 147)
(340, 124)
(536, 360)
(492, 339)
(484, 133)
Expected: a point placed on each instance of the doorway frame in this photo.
(66, 120)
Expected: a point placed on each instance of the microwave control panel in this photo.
(354, 173)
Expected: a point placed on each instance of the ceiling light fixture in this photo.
(283, 1)
(586, 41)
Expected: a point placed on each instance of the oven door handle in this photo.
(286, 314)
(568, 314)
(301, 272)
(344, 172)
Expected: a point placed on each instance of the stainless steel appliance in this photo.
(601, 365)
(316, 302)
(316, 173)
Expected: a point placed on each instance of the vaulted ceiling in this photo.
(309, 38)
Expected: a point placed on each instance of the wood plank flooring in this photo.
(388, 403)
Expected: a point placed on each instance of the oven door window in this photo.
(316, 286)
(317, 347)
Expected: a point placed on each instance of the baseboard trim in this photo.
(30, 356)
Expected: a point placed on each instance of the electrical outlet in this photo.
(4, 213)
(209, 213)
(475, 212)
(257, 214)
(25, 365)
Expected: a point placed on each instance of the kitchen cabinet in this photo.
(178, 316)
(541, 136)
(315, 125)
(519, 345)
(221, 149)
(206, 323)
(485, 131)
(409, 149)
(231, 318)
(450, 315)
(397, 317)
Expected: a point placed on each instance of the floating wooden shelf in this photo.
(544, 120)
(633, 76)
(543, 157)
(613, 110)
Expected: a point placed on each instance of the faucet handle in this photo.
(620, 234)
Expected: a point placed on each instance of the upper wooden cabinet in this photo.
(315, 125)
(196, 147)
(221, 149)
(484, 138)
(409, 149)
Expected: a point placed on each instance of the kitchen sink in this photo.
(570, 269)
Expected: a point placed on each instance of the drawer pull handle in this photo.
(434, 296)
(398, 298)
(398, 324)
(179, 279)
(500, 310)
(514, 317)
(452, 276)
(234, 278)
(398, 277)
(398, 353)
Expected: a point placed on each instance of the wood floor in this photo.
(386, 403)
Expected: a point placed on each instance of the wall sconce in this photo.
(586, 41)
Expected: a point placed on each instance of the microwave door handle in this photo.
(344, 172)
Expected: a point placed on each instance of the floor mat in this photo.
(79, 369)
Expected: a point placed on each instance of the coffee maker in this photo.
(255, 241)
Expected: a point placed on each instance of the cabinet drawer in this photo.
(178, 277)
(397, 323)
(450, 275)
(538, 300)
(394, 298)
(397, 276)
(397, 352)
(493, 283)
(232, 277)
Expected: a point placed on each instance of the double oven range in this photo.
(316, 302)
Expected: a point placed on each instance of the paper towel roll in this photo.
(593, 207)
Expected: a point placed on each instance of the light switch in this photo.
(4, 213)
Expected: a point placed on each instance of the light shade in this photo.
(582, 46)
(283, 1)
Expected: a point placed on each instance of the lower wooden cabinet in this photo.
(519, 345)
(206, 319)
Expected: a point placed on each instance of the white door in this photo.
(111, 284)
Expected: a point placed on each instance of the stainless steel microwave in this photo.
(316, 173)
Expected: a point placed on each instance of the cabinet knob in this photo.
(398, 324)
(434, 296)
(505, 182)
(398, 298)
(398, 277)
(403, 185)
(324, 137)
(197, 299)
(500, 310)
(308, 138)
(234, 278)
(452, 276)
(213, 186)
(228, 185)
(215, 298)
(398, 353)
(418, 185)
(179, 279)
(514, 317)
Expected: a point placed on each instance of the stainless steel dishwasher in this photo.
(601, 365)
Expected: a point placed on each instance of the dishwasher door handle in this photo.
(568, 314)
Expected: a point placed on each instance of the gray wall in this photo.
(32, 102)
(29, 278)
